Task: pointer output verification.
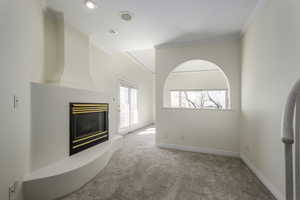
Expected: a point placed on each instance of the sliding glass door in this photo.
(128, 109)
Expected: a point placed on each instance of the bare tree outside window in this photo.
(190, 101)
(217, 104)
(199, 99)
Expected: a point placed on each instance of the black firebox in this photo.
(88, 125)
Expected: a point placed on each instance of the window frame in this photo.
(198, 90)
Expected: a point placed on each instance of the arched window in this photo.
(197, 84)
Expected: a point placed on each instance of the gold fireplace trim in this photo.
(90, 136)
(90, 105)
(88, 111)
(88, 108)
(94, 140)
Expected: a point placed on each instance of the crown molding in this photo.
(260, 4)
(213, 39)
(138, 62)
(196, 71)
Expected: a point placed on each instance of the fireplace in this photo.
(88, 125)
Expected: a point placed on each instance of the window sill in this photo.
(199, 109)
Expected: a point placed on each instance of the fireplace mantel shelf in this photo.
(69, 170)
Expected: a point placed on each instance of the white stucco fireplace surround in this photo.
(53, 172)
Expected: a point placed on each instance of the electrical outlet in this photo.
(12, 190)
(182, 137)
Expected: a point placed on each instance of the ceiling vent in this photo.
(126, 15)
(113, 32)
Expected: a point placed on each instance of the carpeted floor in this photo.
(141, 171)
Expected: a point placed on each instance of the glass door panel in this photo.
(124, 108)
(128, 108)
(133, 106)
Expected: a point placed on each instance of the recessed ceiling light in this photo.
(90, 4)
(126, 15)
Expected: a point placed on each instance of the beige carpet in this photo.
(141, 171)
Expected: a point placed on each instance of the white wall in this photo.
(20, 52)
(76, 72)
(270, 67)
(109, 70)
(192, 81)
(200, 128)
(67, 53)
(38, 44)
(54, 47)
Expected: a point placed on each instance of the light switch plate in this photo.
(16, 101)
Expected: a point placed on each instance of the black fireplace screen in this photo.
(88, 125)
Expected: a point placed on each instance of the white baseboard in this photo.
(278, 195)
(199, 150)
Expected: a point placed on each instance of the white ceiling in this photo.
(195, 66)
(155, 22)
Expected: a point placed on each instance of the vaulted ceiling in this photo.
(155, 22)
